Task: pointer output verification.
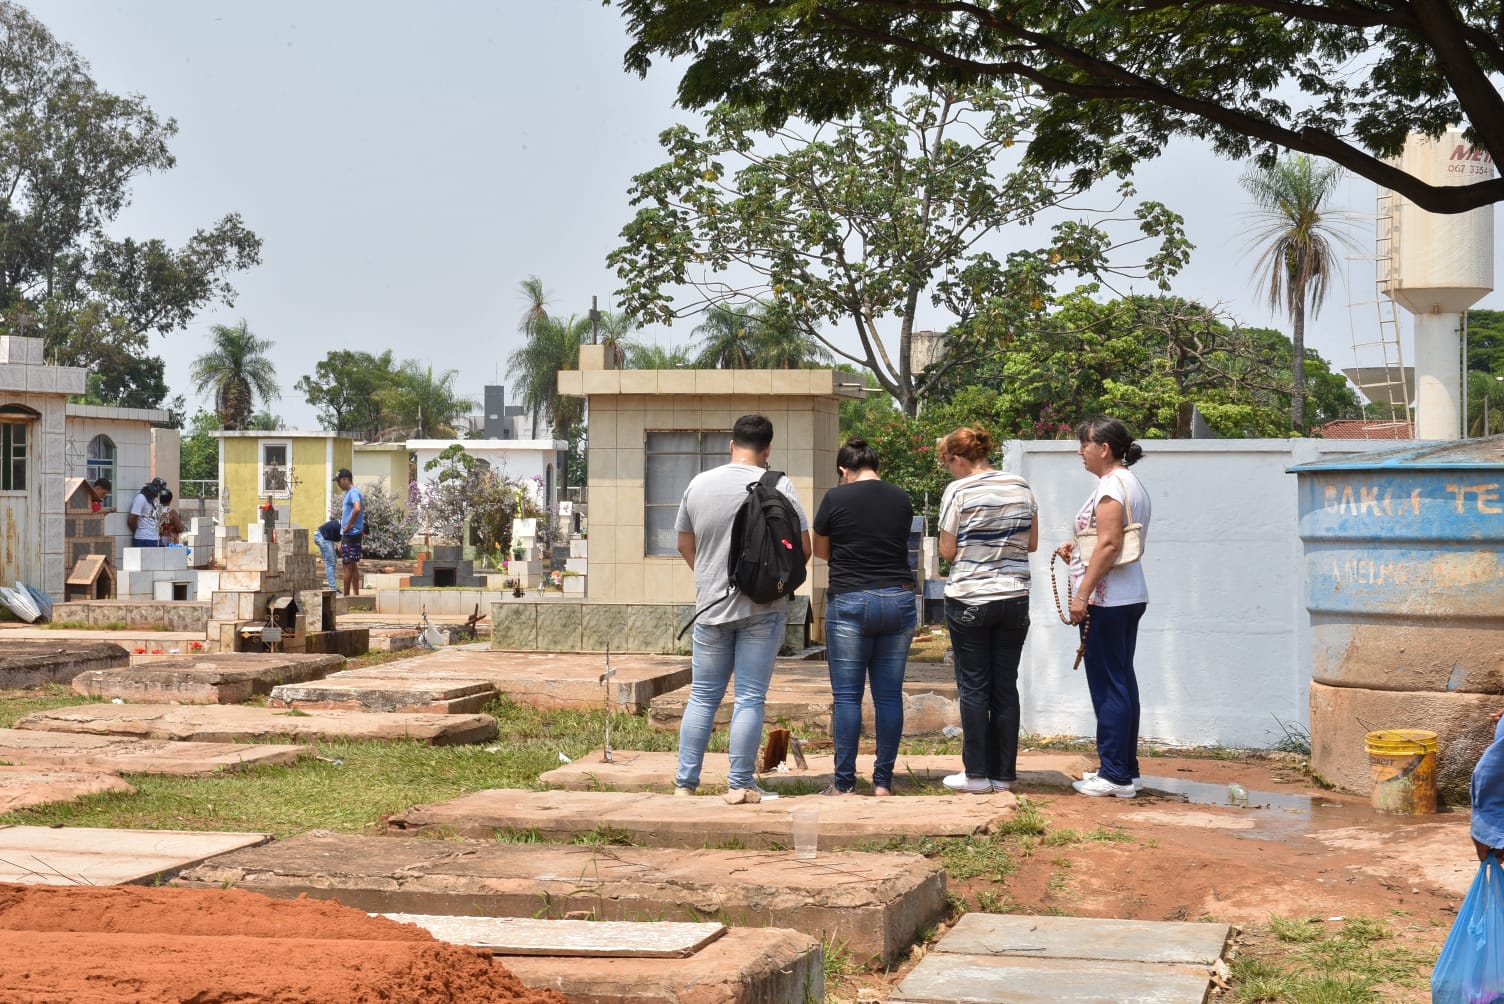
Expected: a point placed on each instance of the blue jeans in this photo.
(1114, 688)
(745, 649)
(868, 633)
(146, 542)
(327, 549)
(988, 641)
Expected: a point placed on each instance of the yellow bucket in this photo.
(1403, 765)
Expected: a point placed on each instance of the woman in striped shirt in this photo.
(987, 531)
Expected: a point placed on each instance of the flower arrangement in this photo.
(556, 579)
(195, 646)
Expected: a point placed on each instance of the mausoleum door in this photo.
(20, 509)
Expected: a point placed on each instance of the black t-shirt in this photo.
(868, 525)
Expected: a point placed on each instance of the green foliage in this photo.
(1118, 81)
(198, 452)
(425, 406)
(1485, 341)
(857, 225)
(656, 357)
(236, 373)
(551, 345)
(389, 526)
(467, 492)
(346, 388)
(69, 153)
(749, 335)
(859, 416)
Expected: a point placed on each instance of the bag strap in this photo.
(1127, 506)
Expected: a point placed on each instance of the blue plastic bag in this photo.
(1471, 967)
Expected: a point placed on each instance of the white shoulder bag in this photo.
(1133, 539)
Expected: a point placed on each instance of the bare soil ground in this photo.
(1297, 851)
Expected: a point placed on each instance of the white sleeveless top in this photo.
(1123, 584)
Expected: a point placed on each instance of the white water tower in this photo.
(1437, 266)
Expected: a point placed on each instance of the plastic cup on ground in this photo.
(806, 832)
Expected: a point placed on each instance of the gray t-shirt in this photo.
(708, 510)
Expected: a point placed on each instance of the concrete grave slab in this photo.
(224, 723)
(800, 693)
(575, 938)
(357, 691)
(873, 903)
(1171, 942)
(749, 965)
(942, 978)
(138, 756)
(227, 678)
(639, 770)
(29, 663)
(24, 786)
(44, 855)
(553, 681)
(665, 821)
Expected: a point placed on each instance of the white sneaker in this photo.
(1088, 775)
(970, 785)
(682, 792)
(1000, 785)
(1097, 786)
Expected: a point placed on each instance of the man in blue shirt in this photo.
(352, 525)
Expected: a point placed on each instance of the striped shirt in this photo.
(990, 513)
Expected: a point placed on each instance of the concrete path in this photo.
(227, 678)
(705, 821)
(800, 693)
(1067, 960)
(25, 786)
(873, 903)
(137, 756)
(357, 690)
(26, 663)
(638, 770)
(553, 681)
(84, 856)
(227, 723)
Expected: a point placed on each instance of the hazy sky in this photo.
(407, 166)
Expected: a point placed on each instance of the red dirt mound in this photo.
(132, 945)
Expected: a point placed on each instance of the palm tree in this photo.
(727, 333)
(552, 345)
(614, 327)
(656, 357)
(425, 404)
(1298, 258)
(236, 371)
(780, 343)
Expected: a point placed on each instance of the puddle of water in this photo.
(1277, 814)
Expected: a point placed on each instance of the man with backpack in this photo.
(746, 536)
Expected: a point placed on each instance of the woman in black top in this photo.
(862, 529)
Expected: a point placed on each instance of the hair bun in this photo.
(1133, 454)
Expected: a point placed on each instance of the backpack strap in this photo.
(769, 479)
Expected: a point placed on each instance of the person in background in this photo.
(862, 528)
(99, 491)
(326, 537)
(1488, 795)
(351, 526)
(1115, 597)
(142, 518)
(988, 530)
(169, 523)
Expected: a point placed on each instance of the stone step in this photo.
(620, 939)
(130, 755)
(641, 770)
(359, 691)
(351, 604)
(225, 678)
(800, 694)
(705, 821)
(26, 664)
(393, 639)
(750, 965)
(874, 903)
(225, 723)
(80, 855)
(1067, 960)
(552, 681)
(21, 787)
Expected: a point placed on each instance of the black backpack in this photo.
(767, 553)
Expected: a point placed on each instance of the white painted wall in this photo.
(1224, 645)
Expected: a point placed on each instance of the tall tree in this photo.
(725, 337)
(69, 153)
(657, 357)
(425, 406)
(347, 388)
(1298, 258)
(615, 328)
(236, 373)
(861, 223)
(1346, 80)
(551, 344)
